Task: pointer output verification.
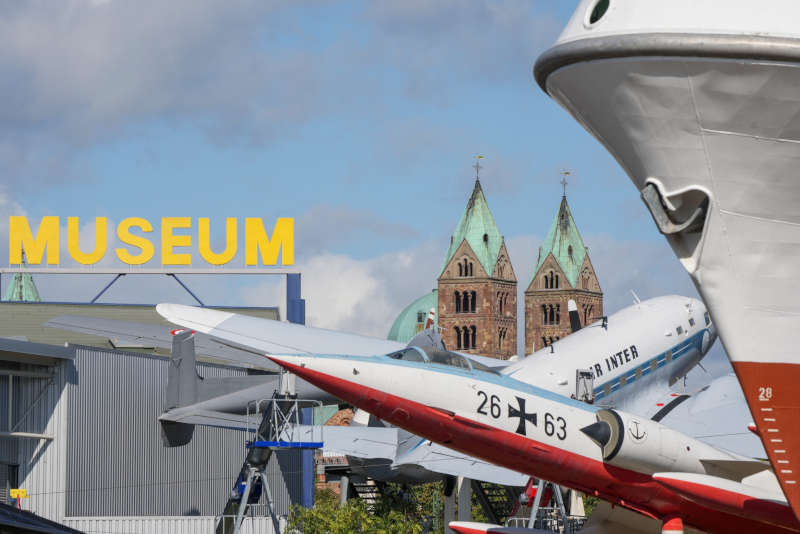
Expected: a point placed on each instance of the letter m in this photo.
(21, 239)
(256, 239)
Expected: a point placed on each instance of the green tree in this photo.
(327, 517)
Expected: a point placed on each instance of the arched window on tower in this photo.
(465, 333)
(544, 281)
(465, 302)
(556, 286)
(460, 270)
(544, 314)
(558, 313)
(470, 268)
(458, 337)
(473, 298)
(466, 265)
(473, 331)
(458, 302)
(551, 315)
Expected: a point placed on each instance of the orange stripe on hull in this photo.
(772, 391)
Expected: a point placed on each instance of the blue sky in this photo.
(359, 119)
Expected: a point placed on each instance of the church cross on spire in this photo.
(477, 167)
(564, 182)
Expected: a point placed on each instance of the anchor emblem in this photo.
(637, 433)
(523, 416)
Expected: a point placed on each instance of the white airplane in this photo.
(626, 459)
(698, 102)
(628, 360)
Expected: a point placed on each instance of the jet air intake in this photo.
(633, 442)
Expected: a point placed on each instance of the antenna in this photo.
(636, 298)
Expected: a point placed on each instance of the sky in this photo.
(361, 120)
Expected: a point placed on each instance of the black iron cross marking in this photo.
(523, 416)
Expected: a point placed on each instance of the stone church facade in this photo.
(475, 299)
(477, 287)
(563, 271)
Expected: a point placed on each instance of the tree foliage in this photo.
(355, 516)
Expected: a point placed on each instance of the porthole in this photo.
(596, 12)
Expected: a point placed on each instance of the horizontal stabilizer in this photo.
(744, 500)
(210, 418)
(735, 469)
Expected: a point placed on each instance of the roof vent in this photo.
(486, 238)
(569, 250)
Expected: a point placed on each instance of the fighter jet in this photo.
(698, 102)
(627, 360)
(622, 458)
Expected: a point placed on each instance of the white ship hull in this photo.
(712, 120)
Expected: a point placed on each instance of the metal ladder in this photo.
(276, 431)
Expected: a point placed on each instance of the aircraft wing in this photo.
(440, 459)
(128, 334)
(273, 337)
(716, 414)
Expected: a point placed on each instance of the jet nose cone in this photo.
(599, 432)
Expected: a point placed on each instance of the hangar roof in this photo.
(23, 321)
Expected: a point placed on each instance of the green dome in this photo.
(406, 326)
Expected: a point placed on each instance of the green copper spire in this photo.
(22, 289)
(565, 243)
(477, 226)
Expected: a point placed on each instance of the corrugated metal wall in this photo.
(160, 525)
(116, 464)
(42, 463)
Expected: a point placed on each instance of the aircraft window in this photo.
(653, 365)
(447, 358)
(669, 355)
(411, 354)
(598, 11)
(679, 330)
(691, 321)
(623, 381)
(639, 372)
(707, 318)
(607, 389)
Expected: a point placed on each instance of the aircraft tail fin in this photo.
(574, 316)
(183, 384)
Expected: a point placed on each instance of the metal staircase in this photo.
(368, 491)
(498, 502)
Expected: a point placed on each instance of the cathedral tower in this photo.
(477, 287)
(563, 271)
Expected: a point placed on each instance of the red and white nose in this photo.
(672, 525)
